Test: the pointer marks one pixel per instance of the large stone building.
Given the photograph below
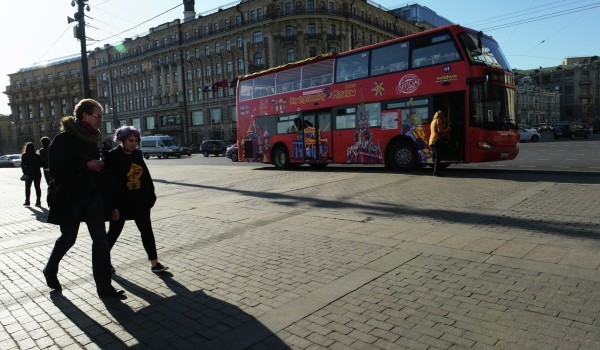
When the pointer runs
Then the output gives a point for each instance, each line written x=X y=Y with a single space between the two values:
x=534 y=104
x=578 y=82
x=40 y=96
x=179 y=79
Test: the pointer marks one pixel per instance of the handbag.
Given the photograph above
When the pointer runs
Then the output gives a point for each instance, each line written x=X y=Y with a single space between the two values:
x=24 y=177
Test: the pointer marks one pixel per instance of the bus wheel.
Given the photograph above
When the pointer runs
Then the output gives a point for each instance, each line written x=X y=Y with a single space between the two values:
x=402 y=156
x=146 y=155
x=281 y=158
x=165 y=155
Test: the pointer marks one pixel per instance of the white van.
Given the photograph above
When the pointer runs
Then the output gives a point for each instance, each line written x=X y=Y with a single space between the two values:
x=159 y=146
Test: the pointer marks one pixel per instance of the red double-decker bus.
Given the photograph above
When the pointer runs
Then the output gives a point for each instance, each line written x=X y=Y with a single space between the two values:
x=374 y=105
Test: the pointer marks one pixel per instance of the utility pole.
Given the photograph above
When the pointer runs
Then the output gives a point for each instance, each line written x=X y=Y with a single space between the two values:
x=80 y=34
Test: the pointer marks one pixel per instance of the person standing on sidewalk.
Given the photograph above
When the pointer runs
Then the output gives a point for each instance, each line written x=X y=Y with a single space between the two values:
x=438 y=140
x=77 y=171
x=31 y=163
x=133 y=192
x=45 y=141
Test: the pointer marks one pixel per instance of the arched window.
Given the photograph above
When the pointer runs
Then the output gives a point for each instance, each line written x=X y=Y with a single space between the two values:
x=258 y=59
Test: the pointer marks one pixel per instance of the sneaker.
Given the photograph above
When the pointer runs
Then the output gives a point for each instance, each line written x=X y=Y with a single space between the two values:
x=52 y=281
x=112 y=292
x=38 y=204
x=159 y=268
x=26 y=203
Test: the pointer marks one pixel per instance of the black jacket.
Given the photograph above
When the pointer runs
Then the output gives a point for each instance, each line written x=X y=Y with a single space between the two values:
x=68 y=155
x=31 y=164
x=132 y=187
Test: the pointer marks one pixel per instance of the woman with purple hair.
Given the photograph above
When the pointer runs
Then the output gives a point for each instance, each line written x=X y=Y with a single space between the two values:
x=133 y=192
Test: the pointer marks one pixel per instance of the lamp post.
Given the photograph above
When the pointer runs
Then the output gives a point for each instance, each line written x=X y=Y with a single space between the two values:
x=80 y=34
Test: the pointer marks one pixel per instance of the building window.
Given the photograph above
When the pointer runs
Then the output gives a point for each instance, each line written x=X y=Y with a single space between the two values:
x=190 y=95
x=289 y=31
x=189 y=74
x=229 y=66
x=258 y=59
x=288 y=8
x=240 y=65
x=217 y=47
x=206 y=50
x=150 y=123
x=197 y=53
x=290 y=55
x=310 y=6
x=215 y=115
x=218 y=69
x=227 y=24
x=207 y=71
x=239 y=42
x=228 y=45
x=257 y=37
x=198 y=72
x=197 y=118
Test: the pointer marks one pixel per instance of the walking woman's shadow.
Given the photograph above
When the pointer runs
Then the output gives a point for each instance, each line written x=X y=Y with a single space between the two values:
x=186 y=320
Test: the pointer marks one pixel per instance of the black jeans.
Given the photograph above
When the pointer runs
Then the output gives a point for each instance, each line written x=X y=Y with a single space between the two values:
x=437 y=157
x=91 y=211
x=144 y=225
x=36 y=184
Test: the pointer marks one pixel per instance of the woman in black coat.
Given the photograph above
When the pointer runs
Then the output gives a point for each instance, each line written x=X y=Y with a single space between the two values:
x=132 y=192
x=31 y=163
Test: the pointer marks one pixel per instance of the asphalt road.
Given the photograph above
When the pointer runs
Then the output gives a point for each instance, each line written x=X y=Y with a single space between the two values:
x=546 y=155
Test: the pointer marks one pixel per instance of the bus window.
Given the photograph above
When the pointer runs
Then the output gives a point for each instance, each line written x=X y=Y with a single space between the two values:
x=317 y=74
x=246 y=88
x=389 y=59
x=434 y=50
x=264 y=86
x=352 y=67
x=288 y=124
x=345 y=118
x=373 y=113
x=288 y=80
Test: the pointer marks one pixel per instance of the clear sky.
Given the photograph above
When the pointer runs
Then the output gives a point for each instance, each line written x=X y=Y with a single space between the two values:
x=532 y=33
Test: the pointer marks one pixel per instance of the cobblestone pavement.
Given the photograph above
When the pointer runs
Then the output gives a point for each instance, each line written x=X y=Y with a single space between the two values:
x=341 y=258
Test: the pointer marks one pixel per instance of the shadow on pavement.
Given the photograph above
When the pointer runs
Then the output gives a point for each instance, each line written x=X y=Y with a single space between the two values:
x=556 y=226
x=187 y=320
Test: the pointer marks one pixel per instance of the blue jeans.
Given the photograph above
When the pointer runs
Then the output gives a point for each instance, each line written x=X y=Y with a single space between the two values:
x=89 y=210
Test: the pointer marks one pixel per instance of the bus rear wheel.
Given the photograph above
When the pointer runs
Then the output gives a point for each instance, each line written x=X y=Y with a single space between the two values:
x=281 y=158
x=402 y=157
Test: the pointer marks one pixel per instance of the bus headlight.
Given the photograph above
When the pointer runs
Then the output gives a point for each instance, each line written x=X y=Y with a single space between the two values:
x=484 y=145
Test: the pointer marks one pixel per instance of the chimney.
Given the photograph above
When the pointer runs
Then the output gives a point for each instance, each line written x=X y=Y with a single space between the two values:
x=189 y=14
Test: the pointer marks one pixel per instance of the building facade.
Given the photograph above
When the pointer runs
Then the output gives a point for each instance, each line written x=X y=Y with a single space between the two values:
x=179 y=78
x=40 y=96
x=578 y=82
x=536 y=105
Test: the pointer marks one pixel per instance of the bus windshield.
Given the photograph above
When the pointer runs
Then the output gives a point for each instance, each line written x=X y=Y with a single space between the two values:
x=493 y=109
x=482 y=50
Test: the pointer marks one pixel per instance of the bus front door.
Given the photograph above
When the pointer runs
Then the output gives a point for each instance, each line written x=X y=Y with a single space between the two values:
x=317 y=136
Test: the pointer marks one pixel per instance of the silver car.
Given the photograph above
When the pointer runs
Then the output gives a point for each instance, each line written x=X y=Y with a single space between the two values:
x=10 y=161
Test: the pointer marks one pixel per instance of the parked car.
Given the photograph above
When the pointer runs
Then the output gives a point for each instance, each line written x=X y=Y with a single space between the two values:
x=232 y=152
x=195 y=148
x=186 y=151
x=543 y=127
x=571 y=130
x=216 y=147
x=161 y=146
x=529 y=135
x=6 y=162
x=14 y=159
